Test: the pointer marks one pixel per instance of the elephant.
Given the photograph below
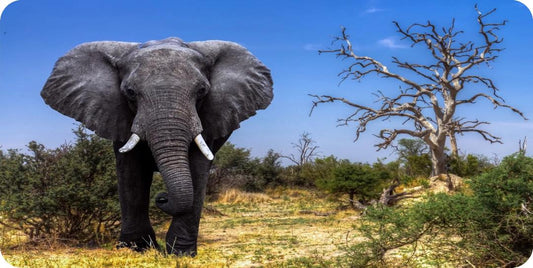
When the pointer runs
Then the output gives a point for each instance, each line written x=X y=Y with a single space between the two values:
x=168 y=106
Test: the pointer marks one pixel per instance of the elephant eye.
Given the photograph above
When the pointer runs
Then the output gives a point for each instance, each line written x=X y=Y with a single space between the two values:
x=130 y=93
x=202 y=92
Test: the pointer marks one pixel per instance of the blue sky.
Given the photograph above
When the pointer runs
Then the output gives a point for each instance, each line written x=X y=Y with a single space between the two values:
x=285 y=35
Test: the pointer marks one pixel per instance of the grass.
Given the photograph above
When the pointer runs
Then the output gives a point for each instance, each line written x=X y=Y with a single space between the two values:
x=282 y=228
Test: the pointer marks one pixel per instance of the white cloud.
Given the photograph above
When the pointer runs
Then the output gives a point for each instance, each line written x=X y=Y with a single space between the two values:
x=373 y=10
x=391 y=42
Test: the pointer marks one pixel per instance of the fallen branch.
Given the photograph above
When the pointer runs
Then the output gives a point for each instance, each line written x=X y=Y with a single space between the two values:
x=389 y=198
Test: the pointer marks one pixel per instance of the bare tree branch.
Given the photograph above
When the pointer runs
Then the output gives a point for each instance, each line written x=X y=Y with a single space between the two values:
x=306 y=149
x=427 y=105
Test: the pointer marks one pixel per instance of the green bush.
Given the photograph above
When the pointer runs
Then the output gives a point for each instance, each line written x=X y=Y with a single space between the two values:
x=413 y=154
x=506 y=194
x=265 y=172
x=233 y=167
x=491 y=226
x=69 y=193
x=418 y=165
x=230 y=166
x=469 y=165
x=308 y=174
x=361 y=181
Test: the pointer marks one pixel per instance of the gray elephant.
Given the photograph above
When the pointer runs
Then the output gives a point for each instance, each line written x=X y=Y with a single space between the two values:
x=167 y=105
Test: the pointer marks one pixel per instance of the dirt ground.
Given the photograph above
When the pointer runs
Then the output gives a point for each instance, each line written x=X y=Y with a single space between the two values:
x=283 y=228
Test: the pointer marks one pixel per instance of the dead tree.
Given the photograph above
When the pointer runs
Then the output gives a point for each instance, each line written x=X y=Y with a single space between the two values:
x=306 y=150
x=389 y=197
x=522 y=146
x=427 y=106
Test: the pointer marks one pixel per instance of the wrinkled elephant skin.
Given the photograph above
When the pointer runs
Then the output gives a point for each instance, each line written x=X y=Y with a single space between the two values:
x=167 y=106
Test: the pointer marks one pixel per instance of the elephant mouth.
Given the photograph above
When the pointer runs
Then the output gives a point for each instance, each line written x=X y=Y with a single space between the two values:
x=198 y=140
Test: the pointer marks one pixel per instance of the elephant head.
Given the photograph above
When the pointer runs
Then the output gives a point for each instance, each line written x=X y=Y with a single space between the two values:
x=167 y=93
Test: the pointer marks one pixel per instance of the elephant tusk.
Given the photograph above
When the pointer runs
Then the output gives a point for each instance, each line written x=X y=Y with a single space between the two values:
x=199 y=140
x=134 y=139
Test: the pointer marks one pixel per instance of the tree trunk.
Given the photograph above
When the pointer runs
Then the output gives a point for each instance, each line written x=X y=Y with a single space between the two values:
x=438 y=161
x=453 y=144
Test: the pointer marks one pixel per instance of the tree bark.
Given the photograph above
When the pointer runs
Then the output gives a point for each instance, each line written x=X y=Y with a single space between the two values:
x=438 y=161
x=428 y=103
x=453 y=145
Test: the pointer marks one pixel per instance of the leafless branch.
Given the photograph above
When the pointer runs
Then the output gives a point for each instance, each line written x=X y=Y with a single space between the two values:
x=428 y=103
x=306 y=149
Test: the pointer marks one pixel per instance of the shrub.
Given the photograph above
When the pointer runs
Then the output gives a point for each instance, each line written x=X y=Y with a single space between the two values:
x=234 y=168
x=491 y=226
x=418 y=165
x=506 y=194
x=469 y=165
x=69 y=193
x=230 y=167
x=264 y=172
x=306 y=175
x=355 y=179
x=414 y=156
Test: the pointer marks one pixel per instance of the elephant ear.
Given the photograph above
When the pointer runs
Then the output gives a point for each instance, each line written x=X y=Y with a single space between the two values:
x=240 y=85
x=85 y=85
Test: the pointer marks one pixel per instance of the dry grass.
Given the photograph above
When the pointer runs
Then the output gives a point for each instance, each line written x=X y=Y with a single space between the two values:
x=272 y=230
x=234 y=196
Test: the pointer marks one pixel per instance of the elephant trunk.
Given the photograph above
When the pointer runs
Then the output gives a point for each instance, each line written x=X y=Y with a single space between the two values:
x=169 y=141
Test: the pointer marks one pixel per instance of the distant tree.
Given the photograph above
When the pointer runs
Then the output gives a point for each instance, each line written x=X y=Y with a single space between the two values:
x=230 y=165
x=358 y=180
x=413 y=154
x=234 y=167
x=430 y=101
x=306 y=150
x=266 y=172
x=320 y=169
x=270 y=168
x=232 y=159
x=409 y=147
x=469 y=165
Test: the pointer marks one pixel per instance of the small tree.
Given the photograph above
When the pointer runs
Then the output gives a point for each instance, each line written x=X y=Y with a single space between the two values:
x=409 y=147
x=233 y=167
x=413 y=154
x=320 y=169
x=469 y=165
x=355 y=179
x=429 y=102
x=306 y=150
x=266 y=172
x=270 y=168
x=230 y=165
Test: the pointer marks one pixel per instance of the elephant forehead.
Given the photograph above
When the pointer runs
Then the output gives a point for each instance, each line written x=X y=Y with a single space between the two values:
x=163 y=58
x=167 y=52
x=163 y=66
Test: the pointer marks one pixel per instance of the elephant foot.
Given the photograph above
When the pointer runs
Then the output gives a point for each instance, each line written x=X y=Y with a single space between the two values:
x=182 y=250
x=180 y=247
x=140 y=244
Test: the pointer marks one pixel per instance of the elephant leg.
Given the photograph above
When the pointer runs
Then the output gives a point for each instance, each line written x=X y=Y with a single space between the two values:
x=135 y=170
x=182 y=234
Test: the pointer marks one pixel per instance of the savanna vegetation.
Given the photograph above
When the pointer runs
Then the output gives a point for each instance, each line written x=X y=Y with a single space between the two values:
x=59 y=207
